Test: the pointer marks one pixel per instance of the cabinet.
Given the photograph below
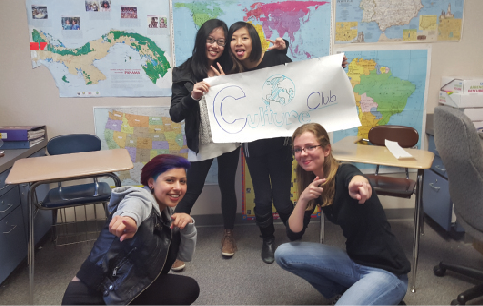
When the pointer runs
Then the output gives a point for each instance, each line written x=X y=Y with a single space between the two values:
x=437 y=202
x=14 y=213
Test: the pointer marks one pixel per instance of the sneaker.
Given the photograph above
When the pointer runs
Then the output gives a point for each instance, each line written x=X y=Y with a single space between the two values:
x=178 y=266
x=228 y=245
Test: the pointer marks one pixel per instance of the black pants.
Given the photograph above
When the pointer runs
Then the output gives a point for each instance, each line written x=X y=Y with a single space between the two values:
x=270 y=167
x=168 y=289
x=227 y=165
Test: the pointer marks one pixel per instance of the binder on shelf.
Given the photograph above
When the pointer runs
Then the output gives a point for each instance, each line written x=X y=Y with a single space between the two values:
x=21 y=133
x=26 y=144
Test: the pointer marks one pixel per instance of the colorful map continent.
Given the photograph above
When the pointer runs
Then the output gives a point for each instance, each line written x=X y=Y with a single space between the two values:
x=284 y=17
x=144 y=137
x=201 y=11
x=387 y=13
x=80 y=61
x=378 y=94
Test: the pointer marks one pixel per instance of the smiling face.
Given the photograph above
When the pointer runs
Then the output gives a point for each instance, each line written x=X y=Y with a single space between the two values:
x=241 y=44
x=169 y=187
x=214 y=51
x=313 y=160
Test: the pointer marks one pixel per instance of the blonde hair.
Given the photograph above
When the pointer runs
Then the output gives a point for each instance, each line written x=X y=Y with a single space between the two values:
x=330 y=166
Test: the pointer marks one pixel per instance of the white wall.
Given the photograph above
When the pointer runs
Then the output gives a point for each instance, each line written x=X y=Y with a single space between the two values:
x=29 y=96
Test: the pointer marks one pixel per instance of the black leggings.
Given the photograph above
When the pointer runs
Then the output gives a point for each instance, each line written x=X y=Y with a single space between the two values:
x=168 y=289
x=227 y=165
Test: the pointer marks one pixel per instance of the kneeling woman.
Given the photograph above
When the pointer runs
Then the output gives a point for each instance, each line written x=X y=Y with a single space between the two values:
x=130 y=261
x=373 y=268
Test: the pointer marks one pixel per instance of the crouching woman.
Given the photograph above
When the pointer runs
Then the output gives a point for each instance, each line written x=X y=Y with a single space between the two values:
x=130 y=261
x=372 y=270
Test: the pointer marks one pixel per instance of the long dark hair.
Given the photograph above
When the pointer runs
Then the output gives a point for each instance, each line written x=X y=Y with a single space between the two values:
x=198 y=60
x=257 y=50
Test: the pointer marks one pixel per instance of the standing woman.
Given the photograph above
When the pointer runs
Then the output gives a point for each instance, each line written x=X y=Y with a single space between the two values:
x=130 y=261
x=373 y=268
x=269 y=160
x=187 y=103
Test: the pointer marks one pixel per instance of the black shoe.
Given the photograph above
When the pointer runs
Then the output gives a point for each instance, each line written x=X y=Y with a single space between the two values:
x=267 y=250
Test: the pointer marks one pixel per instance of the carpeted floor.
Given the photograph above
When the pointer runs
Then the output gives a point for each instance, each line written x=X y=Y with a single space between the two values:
x=245 y=279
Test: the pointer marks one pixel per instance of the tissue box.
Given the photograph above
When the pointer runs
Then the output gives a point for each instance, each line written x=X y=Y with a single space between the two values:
x=462 y=85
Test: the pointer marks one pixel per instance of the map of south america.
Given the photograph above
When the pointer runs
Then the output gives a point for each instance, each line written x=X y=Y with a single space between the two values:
x=378 y=94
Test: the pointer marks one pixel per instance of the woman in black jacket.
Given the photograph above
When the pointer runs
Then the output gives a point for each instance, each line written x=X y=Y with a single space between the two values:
x=269 y=160
x=209 y=57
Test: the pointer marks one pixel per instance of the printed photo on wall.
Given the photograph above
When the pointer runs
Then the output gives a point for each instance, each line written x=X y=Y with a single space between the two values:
x=129 y=12
x=39 y=12
x=157 y=22
x=92 y=5
x=70 y=23
x=105 y=6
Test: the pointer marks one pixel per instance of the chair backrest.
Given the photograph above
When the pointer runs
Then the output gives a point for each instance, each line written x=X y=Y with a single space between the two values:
x=461 y=150
x=405 y=136
x=74 y=143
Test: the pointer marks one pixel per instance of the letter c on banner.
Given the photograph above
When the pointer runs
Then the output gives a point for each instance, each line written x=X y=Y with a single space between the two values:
x=229 y=94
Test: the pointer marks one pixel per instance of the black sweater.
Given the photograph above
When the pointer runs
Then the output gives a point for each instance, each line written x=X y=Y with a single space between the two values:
x=370 y=241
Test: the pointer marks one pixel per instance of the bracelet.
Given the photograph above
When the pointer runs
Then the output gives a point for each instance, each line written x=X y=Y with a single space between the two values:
x=194 y=98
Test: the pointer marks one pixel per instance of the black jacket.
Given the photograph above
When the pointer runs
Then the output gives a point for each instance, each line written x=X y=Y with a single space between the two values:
x=120 y=271
x=183 y=107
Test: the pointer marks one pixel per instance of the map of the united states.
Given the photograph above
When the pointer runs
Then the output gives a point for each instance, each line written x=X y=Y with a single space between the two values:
x=144 y=137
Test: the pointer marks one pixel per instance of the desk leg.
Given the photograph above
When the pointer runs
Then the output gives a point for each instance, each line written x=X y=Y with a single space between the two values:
x=31 y=244
x=417 y=225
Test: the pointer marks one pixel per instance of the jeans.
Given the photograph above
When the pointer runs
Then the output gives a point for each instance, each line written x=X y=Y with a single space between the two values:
x=331 y=271
x=196 y=176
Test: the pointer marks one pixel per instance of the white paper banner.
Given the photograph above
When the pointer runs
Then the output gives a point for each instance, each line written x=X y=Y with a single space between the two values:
x=273 y=102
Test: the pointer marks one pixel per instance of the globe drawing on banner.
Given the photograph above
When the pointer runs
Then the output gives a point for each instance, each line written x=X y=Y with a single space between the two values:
x=278 y=89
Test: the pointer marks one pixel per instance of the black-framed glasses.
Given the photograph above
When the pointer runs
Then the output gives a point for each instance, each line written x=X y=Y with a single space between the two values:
x=219 y=42
x=306 y=149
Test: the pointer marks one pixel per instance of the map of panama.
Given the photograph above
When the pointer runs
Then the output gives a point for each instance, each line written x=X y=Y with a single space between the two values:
x=92 y=53
x=305 y=24
x=80 y=61
x=144 y=132
x=359 y=21
x=389 y=89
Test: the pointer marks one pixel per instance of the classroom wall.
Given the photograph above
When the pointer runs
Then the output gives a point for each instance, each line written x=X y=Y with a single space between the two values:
x=30 y=97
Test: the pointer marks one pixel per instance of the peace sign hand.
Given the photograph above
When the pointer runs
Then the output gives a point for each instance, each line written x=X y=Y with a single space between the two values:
x=218 y=72
x=278 y=44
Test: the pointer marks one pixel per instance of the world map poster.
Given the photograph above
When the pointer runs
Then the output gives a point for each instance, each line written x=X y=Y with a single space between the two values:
x=304 y=24
x=103 y=48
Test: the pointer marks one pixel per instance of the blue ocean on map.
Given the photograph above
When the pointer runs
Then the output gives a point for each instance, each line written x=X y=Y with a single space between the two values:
x=407 y=65
x=307 y=28
x=351 y=11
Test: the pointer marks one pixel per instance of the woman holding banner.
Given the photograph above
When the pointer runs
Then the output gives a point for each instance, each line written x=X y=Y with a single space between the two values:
x=209 y=56
x=269 y=160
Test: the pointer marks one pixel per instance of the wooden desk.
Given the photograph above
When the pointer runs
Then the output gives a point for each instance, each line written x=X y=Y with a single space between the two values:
x=64 y=167
x=350 y=150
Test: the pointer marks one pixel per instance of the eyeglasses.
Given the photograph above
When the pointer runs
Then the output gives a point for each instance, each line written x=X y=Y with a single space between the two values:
x=306 y=149
x=220 y=42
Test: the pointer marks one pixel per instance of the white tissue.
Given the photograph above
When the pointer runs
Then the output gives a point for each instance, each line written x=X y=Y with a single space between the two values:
x=397 y=150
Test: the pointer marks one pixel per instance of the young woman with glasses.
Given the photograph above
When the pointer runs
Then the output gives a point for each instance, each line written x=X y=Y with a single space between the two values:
x=209 y=57
x=373 y=268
